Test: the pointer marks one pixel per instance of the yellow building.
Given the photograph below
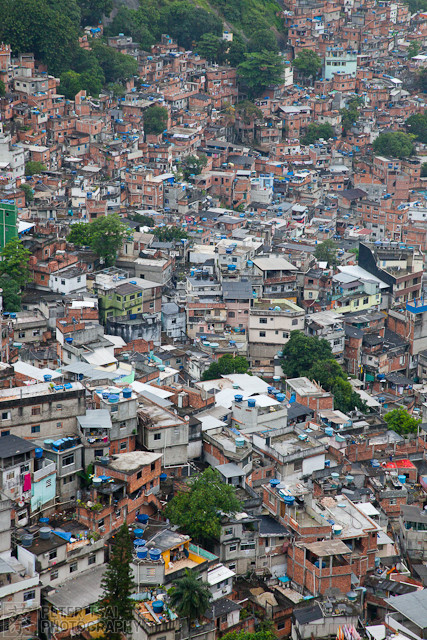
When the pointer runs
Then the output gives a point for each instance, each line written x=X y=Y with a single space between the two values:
x=72 y=606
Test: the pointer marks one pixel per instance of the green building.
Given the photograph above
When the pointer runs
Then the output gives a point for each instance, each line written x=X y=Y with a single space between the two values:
x=125 y=299
x=8 y=222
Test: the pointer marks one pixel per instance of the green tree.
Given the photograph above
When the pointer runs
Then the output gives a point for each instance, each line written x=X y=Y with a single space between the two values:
x=93 y=10
x=401 y=421
x=10 y=294
x=417 y=125
x=308 y=63
x=187 y=23
x=32 y=167
x=424 y=170
x=193 y=165
x=247 y=635
x=2 y=88
x=71 y=84
x=169 y=234
x=262 y=40
x=15 y=262
x=190 y=597
x=345 y=398
x=413 y=49
x=107 y=234
x=116 y=89
x=155 y=119
x=80 y=234
x=316 y=132
x=236 y=51
x=225 y=365
x=350 y=114
x=116 y=605
x=248 y=111
x=147 y=221
x=198 y=510
x=116 y=66
x=394 y=144
x=301 y=351
x=326 y=372
x=211 y=47
x=260 y=70
x=29 y=193
x=421 y=78
x=326 y=251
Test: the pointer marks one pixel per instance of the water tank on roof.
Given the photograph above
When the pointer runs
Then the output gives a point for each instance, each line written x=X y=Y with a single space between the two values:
x=38 y=453
x=69 y=339
x=238 y=398
x=402 y=479
x=113 y=398
x=274 y=482
x=157 y=606
x=329 y=431
x=142 y=553
x=139 y=533
x=337 y=529
x=251 y=402
x=47 y=377
x=155 y=554
x=240 y=442
x=27 y=539
x=143 y=518
x=163 y=477
x=44 y=521
x=45 y=533
x=127 y=393
x=280 y=397
x=139 y=543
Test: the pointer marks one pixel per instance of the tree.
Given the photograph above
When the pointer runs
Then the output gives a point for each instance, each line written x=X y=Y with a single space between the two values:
x=260 y=70
x=14 y=262
x=401 y=421
x=394 y=144
x=413 y=49
x=32 y=167
x=236 y=51
x=193 y=165
x=417 y=125
x=326 y=251
x=2 y=88
x=116 y=605
x=190 y=597
x=248 y=111
x=211 y=47
x=198 y=510
x=421 y=78
x=262 y=40
x=247 y=635
x=308 y=63
x=80 y=234
x=71 y=84
x=10 y=294
x=169 y=234
x=147 y=221
x=326 y=372
x=116 y=66
x=301 y=351
x=316 y=132
x=345 y=398
x=93 y=10
x=225 y=365
x=424 y=170
x=155 y=119
x=187 y=23
x=107 y=234
x=29 y=193
x=350 y=114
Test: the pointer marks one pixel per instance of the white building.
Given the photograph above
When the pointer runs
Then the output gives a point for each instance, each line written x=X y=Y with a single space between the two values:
x=67 y=281
x=220 y=580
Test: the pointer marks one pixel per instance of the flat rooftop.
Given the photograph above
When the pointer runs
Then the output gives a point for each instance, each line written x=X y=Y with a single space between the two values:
x=132 y=461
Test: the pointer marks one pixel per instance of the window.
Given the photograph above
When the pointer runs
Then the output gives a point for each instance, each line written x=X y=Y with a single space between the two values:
x=98 y=453
x=392 y=501
x=231 y=314
x=294 y=321
x=139 y=475
x=4 y=625
x=232 y=566
x=123 y=446
x=67 y=460
x=157 y=436
x=100 y=523
x=153 y=466
x=281 y=625
x=263 y=320
x=5 y=415
x=262 y=334
x=52 y=554
x=21 y=334
x=246 y=546
x=29 y=595
x=5 y=433
x=35 y=429
x=54 y=574
x=73 y=567
x=91 y=560
x=228 y=532
x=49 y=482
x=233 y=547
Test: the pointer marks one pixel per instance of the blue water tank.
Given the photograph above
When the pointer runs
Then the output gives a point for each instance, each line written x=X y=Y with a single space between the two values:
x=139 y=533
x=44 y=520
x=105 y=395
x=289 y=500
x=327 y=463
x=329 y=431
x=274 y=482
x=47 y=377
x=68 y=339
x=238 y=398
x=270 y=389
x=251 y=402
x=142 y=517
x=113 y=398
x=163 y=477
x=375 y=463
x=39 y=453
x=127 y=393
x=142 y=553
x=280 y=397
x=155 y=554
x=157 y=606
x=139 y=542
x=402 y=479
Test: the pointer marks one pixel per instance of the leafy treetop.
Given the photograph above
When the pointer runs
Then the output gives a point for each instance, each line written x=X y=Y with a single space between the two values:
x=260 y=70
x=15 y=262
x=401 y=421
x=417 y=125
x=308 y=62
x=395 y=144
x=33 y=167
x=155 y=119
x=326 y=251
x=316 y=132
x=190 y=597
x=198 y=510
x=104 y=235
x=226 y=364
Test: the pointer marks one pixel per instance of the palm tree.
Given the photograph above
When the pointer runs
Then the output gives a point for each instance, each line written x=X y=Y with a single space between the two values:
x=190 y=597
